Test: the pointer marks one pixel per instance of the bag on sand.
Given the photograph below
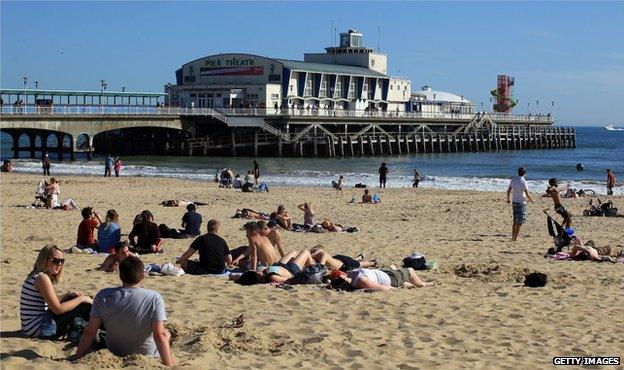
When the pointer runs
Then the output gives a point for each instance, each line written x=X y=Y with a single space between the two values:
x=535 y=280
x=416 y=261
x=312 y=274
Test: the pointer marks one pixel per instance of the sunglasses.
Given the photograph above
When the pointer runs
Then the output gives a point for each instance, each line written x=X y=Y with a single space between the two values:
x=57 y=261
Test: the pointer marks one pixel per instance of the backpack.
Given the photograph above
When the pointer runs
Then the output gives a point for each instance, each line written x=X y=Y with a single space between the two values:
x=418 y=263
x=312 y=274
x=535 y=280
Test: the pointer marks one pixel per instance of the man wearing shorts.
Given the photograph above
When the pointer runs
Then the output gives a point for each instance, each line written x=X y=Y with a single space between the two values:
x=553 y=192
x=518 y=187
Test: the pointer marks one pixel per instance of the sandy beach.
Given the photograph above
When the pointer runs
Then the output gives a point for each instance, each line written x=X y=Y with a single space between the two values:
x=477 y=315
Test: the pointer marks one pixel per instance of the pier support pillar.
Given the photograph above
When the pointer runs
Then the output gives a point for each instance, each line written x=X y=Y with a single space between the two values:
x=342 y=152
x=90 y=148
x=301 y=148
x=60 y=138
x=440 y=143
x=72 y=148
x=255 y=148
x=32 y=140
x=15 y=137
x=280 y=144
x=315 y=143
x=406 y=141
x=233 y=143
x=415 y=144
x=44 y=141
x=350 y=143
x=372 y=147
x=389 y=142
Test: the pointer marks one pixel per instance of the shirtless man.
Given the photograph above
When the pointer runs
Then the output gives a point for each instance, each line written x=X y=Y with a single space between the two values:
x=282 y=218
x=273 y=234
x=553 y=192
x=260 y=250
x=111 y=263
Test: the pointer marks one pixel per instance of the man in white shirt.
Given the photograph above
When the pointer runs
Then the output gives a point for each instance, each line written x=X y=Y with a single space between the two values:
x=519 y=188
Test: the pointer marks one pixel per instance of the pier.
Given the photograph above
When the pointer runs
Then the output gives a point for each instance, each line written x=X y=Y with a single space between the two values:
x=124 y=124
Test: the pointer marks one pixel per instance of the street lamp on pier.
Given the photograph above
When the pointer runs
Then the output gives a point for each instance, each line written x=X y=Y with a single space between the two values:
x=537 y=106
x=36 y=84
x=25 y=78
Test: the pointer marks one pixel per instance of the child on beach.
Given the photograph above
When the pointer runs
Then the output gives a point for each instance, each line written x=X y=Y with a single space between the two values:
x=118 y=166
x=121 y=251
x=90 y=221
x=338 y=184
x=366 y=197
x=553 y=192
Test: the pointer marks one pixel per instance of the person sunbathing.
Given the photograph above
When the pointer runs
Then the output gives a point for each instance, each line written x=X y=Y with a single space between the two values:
x=282 y=218
x=287 y=267
x=330 y=226
x=111 y=263
x=384 y=279
x=180 y=203
x=586 y=251
x=253 y=215
x=339 y=261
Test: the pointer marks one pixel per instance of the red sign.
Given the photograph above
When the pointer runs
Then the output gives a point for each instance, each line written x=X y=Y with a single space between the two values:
x=231 y=71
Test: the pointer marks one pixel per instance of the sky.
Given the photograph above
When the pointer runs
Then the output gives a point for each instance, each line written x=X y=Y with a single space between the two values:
x=569 y=53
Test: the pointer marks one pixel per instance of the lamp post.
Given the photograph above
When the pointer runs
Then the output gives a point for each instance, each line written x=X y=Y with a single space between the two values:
x=36 y=84
x=169 y=94
x=25 y=78
x=552 y=107
x=491 y=106
x=537 y=106
x=528 y=108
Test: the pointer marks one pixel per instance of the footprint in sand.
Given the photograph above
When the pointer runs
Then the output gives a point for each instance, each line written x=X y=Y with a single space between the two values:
x=35 y=238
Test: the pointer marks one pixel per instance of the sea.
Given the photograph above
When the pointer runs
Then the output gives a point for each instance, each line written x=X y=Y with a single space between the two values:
x=597 y=149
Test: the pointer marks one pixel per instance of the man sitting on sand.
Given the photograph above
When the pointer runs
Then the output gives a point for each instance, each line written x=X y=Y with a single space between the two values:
x=191 y=221
x=384 y=279
x=282 y=218
x=214 y=253
x=90 y=221
x=133 y=317
x=111 y=263
x=273 y=234
x=366 y=197
x=260 y=251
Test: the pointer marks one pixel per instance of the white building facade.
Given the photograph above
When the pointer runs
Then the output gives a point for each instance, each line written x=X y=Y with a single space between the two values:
x=346 y=77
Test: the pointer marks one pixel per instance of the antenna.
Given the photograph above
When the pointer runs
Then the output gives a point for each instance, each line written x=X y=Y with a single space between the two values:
x=378 y=38
x=331 y=32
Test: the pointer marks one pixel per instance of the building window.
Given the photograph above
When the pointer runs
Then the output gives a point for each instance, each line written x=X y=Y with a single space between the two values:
x=372 y=62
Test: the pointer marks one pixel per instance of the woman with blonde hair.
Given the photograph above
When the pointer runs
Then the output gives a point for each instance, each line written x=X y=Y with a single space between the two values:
x=109 y=232
x=44 y=314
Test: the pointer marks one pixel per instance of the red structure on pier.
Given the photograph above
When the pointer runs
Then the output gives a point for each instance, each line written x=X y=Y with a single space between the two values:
x=504 y=101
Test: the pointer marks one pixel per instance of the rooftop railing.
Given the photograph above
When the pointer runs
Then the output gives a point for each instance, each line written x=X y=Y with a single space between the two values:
x=222 y=113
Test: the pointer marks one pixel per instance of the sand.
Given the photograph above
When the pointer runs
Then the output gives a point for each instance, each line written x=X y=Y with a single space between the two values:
x=477 y=315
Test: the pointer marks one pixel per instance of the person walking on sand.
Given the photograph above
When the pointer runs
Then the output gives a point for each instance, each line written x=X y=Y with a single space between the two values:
x=383 y=173
x=45 y=164
x=108 y=166
x=518 y=187
x=133 y=317
x=417 y=179
x=610 y=182
x=118 y=166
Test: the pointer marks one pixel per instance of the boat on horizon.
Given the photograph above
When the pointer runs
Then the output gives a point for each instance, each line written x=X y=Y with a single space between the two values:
x=612 y=128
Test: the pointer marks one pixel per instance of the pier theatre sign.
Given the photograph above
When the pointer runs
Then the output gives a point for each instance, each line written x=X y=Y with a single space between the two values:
x=231 y=67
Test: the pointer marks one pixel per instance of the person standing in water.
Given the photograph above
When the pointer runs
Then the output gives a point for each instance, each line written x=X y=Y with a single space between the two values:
x=45 y=164
x=383 y=173
x=256 y=170
x=610 y=182
x=108 y=165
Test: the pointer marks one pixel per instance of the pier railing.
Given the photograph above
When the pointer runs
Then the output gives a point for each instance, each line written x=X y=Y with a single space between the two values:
x=222 y=113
